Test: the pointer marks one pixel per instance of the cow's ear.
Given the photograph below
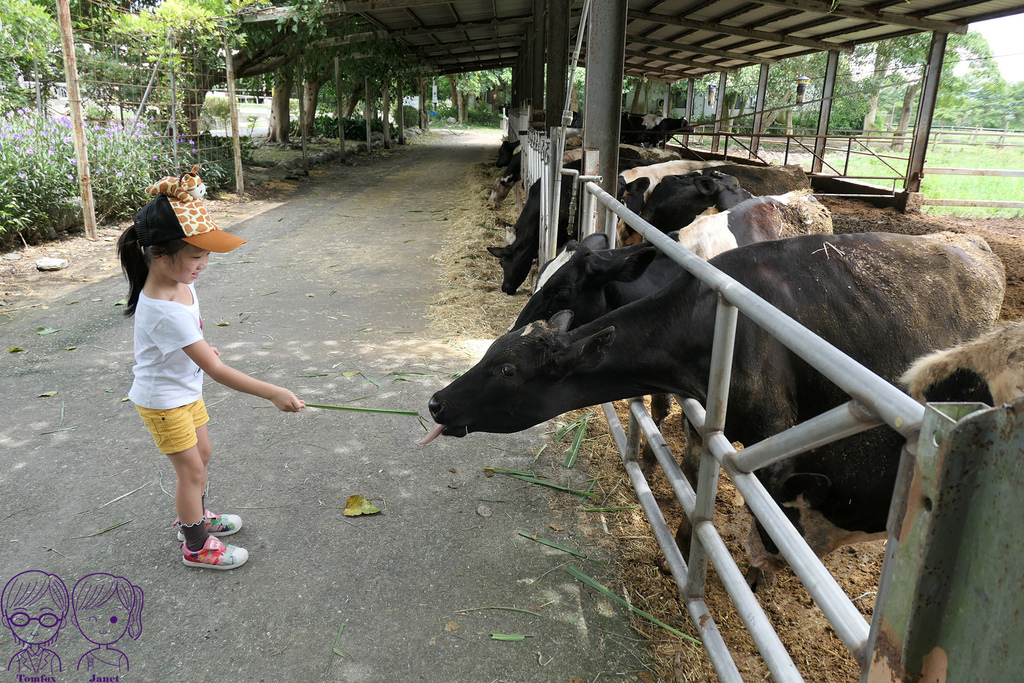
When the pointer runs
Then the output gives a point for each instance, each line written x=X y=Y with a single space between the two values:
x=705 y=185
x=621 y=267
x=561 y=321
x=592 y=349
x=595 y=241
x=638 y=186
x=805 y=490
x=498 y=251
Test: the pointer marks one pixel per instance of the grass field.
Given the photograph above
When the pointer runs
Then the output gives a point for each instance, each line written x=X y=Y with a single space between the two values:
x=957 y=186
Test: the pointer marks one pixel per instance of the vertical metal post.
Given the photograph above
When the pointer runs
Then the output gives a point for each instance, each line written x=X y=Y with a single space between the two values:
x=301 y=78
x=762 y=90
x=340 y=110
x=925 y=111
x=825 y=113
x=236 y=144
x=588 y=217
x=558 y=61
x=719 y=111
x=668 y=99
x=689 y=106
x=67 y=44
x=366 y=113
x=400 y=113
x=707 y=478
x=606 y=47
x=538 y=61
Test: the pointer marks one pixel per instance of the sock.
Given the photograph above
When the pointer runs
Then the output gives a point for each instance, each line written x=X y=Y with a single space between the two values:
x=195 y=535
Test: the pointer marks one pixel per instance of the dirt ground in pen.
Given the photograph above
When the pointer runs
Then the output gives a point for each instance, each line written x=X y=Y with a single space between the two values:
x=470 y=310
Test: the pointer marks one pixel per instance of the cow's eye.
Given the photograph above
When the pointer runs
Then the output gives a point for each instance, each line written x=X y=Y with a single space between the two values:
x=564 y=294
x=508 y=370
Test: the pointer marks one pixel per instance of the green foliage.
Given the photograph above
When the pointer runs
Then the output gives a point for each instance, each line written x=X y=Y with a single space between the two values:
x=29 y=47
x=40 y=192
x=216 y=110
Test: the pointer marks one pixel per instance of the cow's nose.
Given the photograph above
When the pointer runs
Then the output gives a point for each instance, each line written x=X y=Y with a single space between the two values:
x=435 y=406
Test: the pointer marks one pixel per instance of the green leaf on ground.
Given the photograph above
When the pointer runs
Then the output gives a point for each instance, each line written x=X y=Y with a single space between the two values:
x=357 y=505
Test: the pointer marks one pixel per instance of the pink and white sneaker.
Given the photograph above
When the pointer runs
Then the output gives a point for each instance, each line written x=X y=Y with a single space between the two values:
x=216 y=525
x=215 y=554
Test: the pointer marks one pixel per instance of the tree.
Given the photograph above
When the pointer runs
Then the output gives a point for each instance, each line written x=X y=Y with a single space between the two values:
x=29 y=48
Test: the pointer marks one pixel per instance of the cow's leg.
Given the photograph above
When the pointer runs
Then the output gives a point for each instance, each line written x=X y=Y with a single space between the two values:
x=661 y=406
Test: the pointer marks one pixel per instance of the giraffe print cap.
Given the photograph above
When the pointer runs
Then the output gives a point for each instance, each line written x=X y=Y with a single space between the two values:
x=185 y=195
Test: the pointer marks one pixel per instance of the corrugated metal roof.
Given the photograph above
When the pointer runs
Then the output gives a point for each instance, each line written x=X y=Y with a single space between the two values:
x=666 y=39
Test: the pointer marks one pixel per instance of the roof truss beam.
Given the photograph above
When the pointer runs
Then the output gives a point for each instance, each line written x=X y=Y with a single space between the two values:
x=768 y=36
x=842 y=10
x=725 y=54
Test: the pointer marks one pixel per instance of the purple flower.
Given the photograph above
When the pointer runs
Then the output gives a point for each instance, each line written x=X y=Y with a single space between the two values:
x=22 y=176
x=70 y=177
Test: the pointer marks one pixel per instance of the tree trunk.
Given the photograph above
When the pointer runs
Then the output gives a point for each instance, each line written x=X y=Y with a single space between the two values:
x=455 y=93
x=872 y=113
x=789 y=122
x=463 y=99
x=424 y=113
x=901 y=130
x=311 y=97
x=636 y=99
x=280 y=115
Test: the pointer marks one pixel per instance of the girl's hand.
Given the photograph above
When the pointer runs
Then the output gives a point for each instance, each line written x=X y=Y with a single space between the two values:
x=286 y=401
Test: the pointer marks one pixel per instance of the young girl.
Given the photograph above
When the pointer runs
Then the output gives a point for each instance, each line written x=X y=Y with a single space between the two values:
x=162 y=255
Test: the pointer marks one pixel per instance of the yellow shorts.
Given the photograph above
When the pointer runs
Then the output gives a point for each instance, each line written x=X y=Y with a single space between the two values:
x=174 y=429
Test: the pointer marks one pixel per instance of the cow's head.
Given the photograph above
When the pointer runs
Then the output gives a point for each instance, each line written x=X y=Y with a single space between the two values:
x=578 y=285
x=502 y=186
x=505 y=153
x=515 y=263
x=522 y=380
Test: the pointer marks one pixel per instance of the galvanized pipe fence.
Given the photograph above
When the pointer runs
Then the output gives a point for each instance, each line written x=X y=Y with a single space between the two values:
x=874 y=402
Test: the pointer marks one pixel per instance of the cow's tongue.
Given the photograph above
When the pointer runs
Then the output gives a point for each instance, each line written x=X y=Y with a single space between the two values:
x=434 y=433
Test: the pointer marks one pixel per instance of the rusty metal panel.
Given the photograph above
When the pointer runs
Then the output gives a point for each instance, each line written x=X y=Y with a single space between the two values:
x=949 y=606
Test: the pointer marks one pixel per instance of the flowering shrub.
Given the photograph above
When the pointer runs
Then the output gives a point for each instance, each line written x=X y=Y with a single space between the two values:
x=39 y=186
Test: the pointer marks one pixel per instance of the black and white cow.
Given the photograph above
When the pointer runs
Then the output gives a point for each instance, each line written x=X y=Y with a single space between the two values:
x=650 y=129
x=517 y=257
x=883 y=299
x=989 y=369
x=592 y=280
x=675 y=199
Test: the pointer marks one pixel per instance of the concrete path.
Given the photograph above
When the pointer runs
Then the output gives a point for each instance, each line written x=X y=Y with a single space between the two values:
x=328 y=298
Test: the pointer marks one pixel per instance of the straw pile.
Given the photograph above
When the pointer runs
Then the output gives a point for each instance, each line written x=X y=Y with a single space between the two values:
x=472 y=307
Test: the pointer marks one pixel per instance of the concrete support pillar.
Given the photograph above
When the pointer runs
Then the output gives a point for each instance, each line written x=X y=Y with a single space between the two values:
x=557 y=60
x=925 y=112
x=825 y=114
x=606 y=46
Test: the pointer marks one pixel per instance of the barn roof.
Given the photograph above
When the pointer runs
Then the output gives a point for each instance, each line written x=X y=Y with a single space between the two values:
x=665 y=40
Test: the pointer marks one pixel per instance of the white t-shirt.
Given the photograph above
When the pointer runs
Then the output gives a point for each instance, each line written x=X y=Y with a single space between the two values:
x=165 y=377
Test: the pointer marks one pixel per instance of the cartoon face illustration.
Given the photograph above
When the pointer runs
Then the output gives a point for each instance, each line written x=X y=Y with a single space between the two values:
x=104 y=625
x=34 y=605
x=106 y=607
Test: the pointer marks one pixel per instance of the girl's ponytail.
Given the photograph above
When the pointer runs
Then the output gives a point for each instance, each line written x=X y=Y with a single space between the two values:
x=134 y=264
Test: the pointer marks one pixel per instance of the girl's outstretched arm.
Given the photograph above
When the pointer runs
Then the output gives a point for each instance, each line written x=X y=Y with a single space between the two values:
x=206 y=357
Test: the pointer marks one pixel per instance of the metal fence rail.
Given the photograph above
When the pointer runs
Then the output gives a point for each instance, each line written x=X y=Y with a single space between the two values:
x=875 y=402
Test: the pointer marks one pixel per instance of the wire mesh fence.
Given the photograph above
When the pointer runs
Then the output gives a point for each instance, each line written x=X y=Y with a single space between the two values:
x=143 y=81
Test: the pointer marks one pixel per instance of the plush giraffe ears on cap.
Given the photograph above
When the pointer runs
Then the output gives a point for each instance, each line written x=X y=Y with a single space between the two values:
x=195 y=225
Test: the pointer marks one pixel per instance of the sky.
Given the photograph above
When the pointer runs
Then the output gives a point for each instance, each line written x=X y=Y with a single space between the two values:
x=1006 y=38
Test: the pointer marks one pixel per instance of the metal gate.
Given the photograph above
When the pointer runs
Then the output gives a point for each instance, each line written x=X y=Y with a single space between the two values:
x=877 y=402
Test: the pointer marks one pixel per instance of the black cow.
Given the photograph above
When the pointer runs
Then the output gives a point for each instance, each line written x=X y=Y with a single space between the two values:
x=678 y=200
x=505 y=152
x=650 y=129
x=504 y=183
x=517 y=258
x=883 y=299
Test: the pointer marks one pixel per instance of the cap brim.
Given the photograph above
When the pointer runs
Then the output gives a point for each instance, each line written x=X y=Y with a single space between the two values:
x=215 y=240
